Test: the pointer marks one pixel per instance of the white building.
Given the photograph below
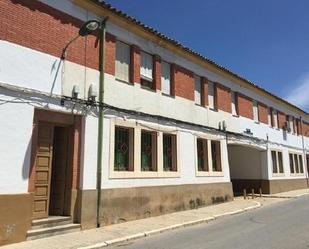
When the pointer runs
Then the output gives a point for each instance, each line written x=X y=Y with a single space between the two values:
x=179 y=131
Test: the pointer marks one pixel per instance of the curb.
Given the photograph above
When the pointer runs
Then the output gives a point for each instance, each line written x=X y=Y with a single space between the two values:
x=285 y=197
x=168 y=228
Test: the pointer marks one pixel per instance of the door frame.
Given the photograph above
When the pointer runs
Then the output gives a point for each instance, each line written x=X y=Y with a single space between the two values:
x=58 y=119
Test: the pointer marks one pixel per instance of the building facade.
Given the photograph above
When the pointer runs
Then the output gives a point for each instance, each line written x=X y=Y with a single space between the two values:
x=179 y=131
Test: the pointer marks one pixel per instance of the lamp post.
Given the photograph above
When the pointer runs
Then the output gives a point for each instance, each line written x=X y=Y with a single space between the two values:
x=88 y=28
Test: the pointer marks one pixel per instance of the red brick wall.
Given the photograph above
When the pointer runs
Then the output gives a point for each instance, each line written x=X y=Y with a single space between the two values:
x=263 y=113
x=157 y=72
x=110 y=54
x=135 y=74
x=40 y=27
x=184 y=83
x=281 y=119
x=223 y=98
x=244 y=106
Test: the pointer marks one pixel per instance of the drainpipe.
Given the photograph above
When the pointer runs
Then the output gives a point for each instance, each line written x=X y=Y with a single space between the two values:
x=101 y=117
x=304 y=150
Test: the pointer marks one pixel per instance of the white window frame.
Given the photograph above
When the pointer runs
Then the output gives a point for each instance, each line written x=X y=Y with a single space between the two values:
x=166 y=78
x=137 y=172
x=277 y=160
x=210 y=172
x=291 y=123
x=120 y=68
x=298 y=161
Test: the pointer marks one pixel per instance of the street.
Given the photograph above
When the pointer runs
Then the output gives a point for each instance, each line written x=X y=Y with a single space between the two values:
x=281 y=225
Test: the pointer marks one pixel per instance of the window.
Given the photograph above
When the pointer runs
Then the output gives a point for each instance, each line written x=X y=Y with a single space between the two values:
x=291 y=121
x=211 y=95
x=197 y=90
x=202 y=155
x=255 y=111
x=296 y=163
x=291 y=163
x=166 y=78
x=169 y=152
x=301 y=166
x=146 y=70
x=233 y=99
x=274 y=161
x=216 y=156
x=277 y=162
x=275 y=119
x=269 y=116
x=123 y=151
x=122 y=67
x=148 y=150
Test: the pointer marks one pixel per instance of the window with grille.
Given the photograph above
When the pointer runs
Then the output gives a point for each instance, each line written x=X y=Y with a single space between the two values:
x=216 y=156
x=169 y=152
x=202 y=155
x=122 y=62
x=123 y=150
x=148 y=151
x=146 y=70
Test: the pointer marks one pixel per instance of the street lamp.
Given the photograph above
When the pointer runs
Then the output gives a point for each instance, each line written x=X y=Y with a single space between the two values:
x=86 y=29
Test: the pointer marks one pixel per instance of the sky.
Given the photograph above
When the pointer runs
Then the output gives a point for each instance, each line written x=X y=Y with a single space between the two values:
x=265 y=41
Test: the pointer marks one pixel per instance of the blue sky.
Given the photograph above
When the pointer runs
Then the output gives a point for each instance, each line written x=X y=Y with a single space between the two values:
x=265 y=41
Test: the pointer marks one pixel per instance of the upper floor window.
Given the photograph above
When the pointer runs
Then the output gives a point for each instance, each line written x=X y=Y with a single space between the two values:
x=255 y=111
x=291 y=123
x=166 y=78
x=122 y=67
x=211 y=95
x=277 y=161
x=275 y=119
x=233 y=103
x=146 y=70
x=197 y=90
x=269 y=116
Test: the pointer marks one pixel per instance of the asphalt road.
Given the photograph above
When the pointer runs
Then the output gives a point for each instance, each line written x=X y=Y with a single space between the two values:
x=283 y=225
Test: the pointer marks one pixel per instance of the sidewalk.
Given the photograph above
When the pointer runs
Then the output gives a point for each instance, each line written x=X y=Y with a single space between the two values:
x=290 y=194
x=104 y=236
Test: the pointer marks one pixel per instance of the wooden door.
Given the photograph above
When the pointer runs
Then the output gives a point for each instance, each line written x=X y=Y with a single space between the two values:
x=43 y=164
x=59 y=184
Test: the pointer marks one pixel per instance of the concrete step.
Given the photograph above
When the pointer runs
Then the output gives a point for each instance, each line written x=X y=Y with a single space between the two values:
x=51 y=231
x=51 y=221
